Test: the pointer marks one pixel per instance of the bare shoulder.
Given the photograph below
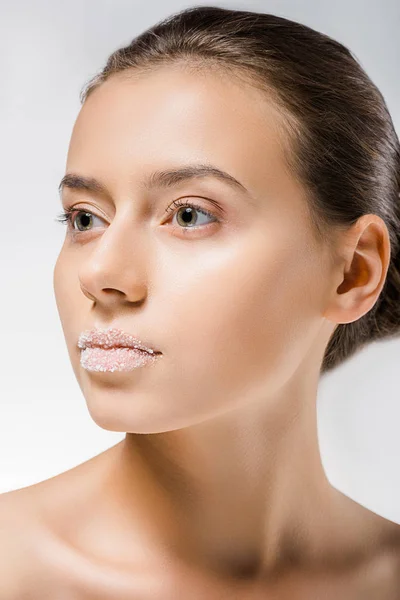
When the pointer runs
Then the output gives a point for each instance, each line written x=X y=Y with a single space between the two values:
x=17 y=545
x=28 y=545
x=35 y=560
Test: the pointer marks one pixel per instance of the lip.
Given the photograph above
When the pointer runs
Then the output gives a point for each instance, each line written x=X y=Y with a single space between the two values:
x=113 y=337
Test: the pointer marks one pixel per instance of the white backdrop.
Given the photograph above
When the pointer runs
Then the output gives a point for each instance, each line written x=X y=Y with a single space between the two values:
x=48 y=50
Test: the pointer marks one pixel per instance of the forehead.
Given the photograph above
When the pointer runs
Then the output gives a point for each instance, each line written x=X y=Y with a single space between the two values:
x=136 y=122
x=172 y=99
x=171 y=111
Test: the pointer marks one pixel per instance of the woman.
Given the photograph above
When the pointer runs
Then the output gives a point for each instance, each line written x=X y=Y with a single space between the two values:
x=233 y=232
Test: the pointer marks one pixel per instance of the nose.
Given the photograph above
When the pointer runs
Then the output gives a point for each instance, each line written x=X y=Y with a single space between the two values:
x=114 y=269
x=86 y=293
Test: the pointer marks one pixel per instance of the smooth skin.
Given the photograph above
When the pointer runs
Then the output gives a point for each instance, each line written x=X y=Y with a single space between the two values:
x=218 y=484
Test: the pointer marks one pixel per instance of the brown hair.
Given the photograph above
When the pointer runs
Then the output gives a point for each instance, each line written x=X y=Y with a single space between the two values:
x=342 y=145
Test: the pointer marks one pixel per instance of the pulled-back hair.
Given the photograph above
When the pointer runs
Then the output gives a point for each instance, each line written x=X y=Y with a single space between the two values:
x=340 y=144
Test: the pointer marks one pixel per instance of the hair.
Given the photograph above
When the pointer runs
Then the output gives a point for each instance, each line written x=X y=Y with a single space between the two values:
x=340 y=141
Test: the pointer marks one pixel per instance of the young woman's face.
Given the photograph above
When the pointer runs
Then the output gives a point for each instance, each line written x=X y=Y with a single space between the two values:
x=232 y=297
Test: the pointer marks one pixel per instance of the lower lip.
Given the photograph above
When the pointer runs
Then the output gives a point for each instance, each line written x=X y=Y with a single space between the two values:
x=115 y=359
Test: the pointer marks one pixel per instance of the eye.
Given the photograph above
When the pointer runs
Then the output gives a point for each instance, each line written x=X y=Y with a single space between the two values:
x=188 y=218
x=80 y=215
x=84 y=218
x=188 y=215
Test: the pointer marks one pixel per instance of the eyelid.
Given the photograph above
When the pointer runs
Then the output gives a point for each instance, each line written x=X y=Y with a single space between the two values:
x=73 y=209
x=171 y=208
x=69 y=217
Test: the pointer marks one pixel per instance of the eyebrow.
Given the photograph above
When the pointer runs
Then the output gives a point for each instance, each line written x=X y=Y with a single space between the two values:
x=161 y=178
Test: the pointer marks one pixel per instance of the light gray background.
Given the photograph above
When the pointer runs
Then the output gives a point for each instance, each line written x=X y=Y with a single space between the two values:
x=48 y=50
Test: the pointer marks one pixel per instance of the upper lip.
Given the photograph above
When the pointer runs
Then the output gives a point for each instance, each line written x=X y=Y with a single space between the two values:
x=112 y=338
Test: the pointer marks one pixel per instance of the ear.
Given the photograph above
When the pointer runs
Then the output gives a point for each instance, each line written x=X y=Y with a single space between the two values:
x=365 y=253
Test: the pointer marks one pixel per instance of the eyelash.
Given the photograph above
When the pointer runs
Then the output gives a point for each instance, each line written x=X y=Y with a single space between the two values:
x=66 y=216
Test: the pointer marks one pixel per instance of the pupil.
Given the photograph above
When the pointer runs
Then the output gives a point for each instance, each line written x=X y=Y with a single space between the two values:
x=83 y=217
x=187 y=215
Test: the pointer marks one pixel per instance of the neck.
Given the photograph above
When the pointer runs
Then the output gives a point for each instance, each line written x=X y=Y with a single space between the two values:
x=245 y=493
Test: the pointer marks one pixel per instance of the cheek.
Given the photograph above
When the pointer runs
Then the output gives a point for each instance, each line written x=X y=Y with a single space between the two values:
x=59 y=284
x=62 y=287
x=70 y=300
x=68 y=295
x=249 y=323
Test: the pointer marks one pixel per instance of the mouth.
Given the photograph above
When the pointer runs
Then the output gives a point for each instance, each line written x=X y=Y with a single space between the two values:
x=113 y=338
x=110 y=358
x=118 y=346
